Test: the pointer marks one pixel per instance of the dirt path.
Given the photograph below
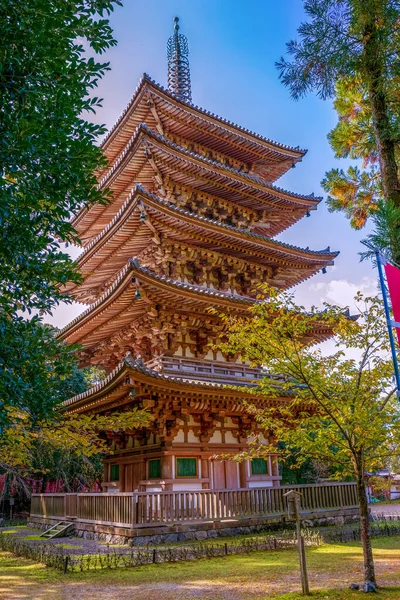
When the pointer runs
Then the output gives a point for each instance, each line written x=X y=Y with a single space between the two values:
x=387 y=510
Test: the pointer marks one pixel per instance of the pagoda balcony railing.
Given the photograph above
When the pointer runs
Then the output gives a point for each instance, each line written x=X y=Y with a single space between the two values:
x=207 y=370
x=141 y=509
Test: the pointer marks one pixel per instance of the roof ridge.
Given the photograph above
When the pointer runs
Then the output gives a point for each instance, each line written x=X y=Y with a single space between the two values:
x=137 y=364
x=252 y=178
x=134 y=263
x=139 y=189
x=146 y=78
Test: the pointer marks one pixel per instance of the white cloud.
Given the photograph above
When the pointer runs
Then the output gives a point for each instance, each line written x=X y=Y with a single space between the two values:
x=337 y=291
x=64 y=314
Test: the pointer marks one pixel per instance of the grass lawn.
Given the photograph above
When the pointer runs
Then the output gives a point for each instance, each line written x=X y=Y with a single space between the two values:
x=256 y=576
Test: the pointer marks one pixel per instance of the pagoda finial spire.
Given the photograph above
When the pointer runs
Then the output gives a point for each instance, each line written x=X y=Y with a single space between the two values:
x=178 y=65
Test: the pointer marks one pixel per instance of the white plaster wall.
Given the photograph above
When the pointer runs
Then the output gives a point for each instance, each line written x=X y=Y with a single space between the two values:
x=229 y=438
x=180 y=437
x=186 y=487
x=260 y=484
x=216 y=438
x=192 y=439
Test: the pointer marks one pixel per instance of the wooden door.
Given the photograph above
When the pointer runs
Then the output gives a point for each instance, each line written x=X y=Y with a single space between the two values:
x=231 y=475
x=128 y=478
x=219 y=475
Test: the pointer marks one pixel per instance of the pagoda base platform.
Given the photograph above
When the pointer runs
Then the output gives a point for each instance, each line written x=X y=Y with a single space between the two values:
x=185 y=532
x=144 y=517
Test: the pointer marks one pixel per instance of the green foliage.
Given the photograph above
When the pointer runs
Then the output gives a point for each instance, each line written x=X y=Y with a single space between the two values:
x=336 y=410
x=350 y=50
x=355 y=193
x=49 y=155
x=332 y=43
x=79 y=434
x=34 y=367
x=386 y=231
x=75 y=471
x=48 y=148
x=353 y=136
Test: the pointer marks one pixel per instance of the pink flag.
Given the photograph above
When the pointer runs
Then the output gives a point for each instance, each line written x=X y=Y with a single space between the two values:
x=393 y=281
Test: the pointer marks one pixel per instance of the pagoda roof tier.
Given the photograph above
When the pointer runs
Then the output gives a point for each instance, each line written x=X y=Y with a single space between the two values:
x=144 y=216
x=132 y=294
x=131 y=379
x=137 y=291
x=150 y=157
x=161 y=110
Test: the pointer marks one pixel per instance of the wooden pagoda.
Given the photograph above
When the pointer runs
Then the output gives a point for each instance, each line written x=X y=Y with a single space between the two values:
x=191 y=225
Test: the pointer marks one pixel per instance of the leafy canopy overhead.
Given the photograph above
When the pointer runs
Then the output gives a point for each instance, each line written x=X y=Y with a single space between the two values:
x=350 y=50
x=48 y=154
x=48 y=149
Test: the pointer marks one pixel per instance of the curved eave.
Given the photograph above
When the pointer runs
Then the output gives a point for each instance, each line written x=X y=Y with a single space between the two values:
x=116 y=243
x=193 y=170
x=130 y=373
x=118 y=307
x=218 y=133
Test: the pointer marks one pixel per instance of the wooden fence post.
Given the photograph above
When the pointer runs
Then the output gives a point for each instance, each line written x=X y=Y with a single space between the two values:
x=293 y=502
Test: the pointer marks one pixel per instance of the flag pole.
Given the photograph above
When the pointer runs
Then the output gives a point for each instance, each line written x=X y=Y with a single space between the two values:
x=389 y=321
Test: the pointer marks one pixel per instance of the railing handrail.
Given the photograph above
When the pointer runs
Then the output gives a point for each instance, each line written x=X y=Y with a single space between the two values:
x=143 y=509
x=207 y=491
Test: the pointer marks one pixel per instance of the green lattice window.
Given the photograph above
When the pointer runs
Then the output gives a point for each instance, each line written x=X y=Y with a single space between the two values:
x=155 y=469
x=259 y=466
x=186 y=467
x=114 y=476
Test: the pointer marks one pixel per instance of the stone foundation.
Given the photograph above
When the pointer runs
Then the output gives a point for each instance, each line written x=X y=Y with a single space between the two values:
x=183 y=532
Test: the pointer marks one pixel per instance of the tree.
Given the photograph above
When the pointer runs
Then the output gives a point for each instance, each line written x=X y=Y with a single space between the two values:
x=338 y=411
x=34 y=368
x=49 y=156
x=80 y=434
x=43 y=442
x=349 y=49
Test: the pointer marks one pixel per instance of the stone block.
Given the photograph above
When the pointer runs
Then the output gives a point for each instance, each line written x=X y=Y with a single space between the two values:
x=212 y=533
x=354 y=586
x=201 y=535
x=171 y=538
x=308 y=523
x=186 y=536
x=368 y=587
x=141 y=540
x=156 y=539
x=227 y=531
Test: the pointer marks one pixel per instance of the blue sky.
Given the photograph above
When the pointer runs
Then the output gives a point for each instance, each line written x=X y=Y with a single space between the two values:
x=233 y=47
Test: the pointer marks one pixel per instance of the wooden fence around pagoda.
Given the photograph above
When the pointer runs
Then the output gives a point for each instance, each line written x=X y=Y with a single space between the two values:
x=141 y=509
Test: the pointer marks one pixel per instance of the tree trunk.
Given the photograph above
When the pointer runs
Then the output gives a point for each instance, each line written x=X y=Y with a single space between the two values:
x=369 y=567
x=375 y=77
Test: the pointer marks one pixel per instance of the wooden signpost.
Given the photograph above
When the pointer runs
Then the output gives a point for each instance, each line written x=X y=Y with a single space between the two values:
x=294 y=508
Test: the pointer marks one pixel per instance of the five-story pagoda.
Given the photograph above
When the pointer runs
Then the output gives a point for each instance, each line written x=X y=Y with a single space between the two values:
x=191 y=225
